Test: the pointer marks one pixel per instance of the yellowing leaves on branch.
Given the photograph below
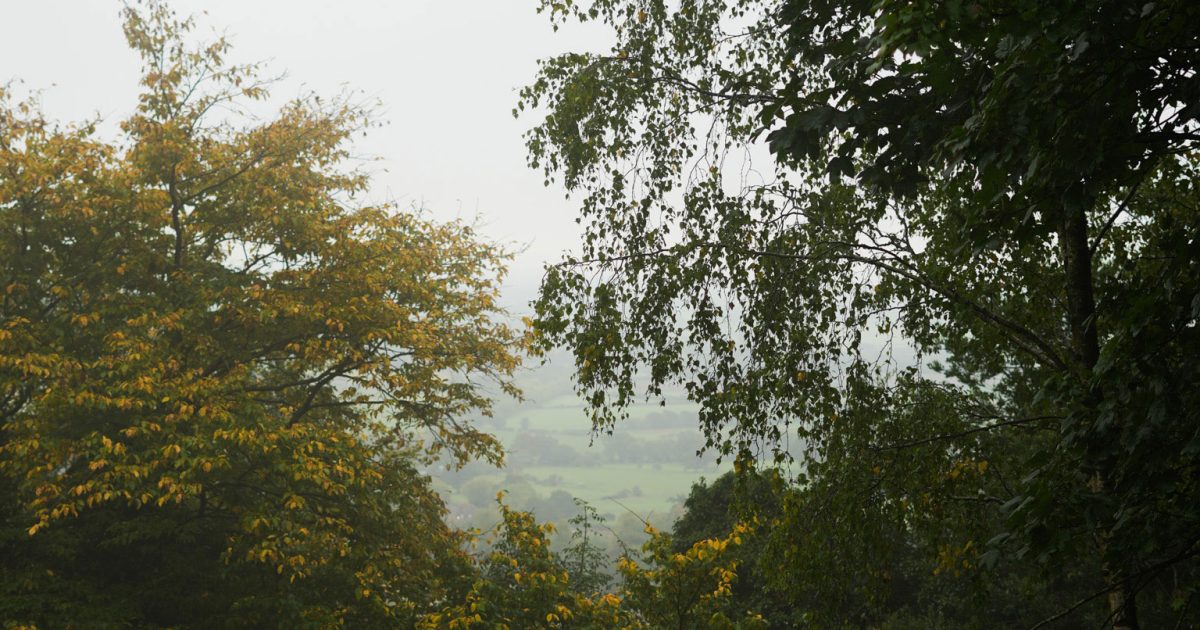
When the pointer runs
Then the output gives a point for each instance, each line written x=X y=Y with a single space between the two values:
x=220 y=367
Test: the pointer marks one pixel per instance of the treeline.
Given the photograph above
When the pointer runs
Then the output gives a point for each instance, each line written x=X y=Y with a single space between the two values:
x=222 y=370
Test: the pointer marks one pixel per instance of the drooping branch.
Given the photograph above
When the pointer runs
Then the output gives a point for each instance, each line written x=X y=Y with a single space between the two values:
x=961 y=434
x=1024 y=338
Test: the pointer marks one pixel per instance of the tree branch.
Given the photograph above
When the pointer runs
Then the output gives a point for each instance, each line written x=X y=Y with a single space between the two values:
x=961 y=434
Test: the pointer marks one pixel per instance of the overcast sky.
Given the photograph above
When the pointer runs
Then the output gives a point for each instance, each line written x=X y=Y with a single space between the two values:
x=446 y=72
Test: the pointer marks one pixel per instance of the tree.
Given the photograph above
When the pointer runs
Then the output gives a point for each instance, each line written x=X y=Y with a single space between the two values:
x=1008 y=189
x=586 y=560
x=520 y=583
x=220 y=369
x=867 y=563
x=714 y=510
x=688 y=589
x=891 y=529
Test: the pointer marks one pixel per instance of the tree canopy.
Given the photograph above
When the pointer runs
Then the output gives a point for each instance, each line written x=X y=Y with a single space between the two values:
x=930 y=270
x=221 y=366
x=1005 y=190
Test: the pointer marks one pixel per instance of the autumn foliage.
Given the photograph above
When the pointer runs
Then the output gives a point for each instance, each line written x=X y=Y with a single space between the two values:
x=522 y=583
x=220 y=366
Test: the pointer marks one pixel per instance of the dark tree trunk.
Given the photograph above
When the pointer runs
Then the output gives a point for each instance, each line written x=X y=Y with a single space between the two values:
x=1085 y=348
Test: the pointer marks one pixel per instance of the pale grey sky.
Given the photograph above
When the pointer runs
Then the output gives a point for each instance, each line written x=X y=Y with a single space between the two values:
x=445 y=71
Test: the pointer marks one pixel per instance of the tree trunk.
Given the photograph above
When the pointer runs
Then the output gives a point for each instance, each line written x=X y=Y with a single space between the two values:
x=1122 y=604
x=1085 y=346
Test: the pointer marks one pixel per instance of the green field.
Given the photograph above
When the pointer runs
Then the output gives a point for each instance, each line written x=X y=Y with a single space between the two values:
x=642 y=471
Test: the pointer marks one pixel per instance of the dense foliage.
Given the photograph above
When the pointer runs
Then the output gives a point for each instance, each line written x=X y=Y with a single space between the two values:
x=947 y=253
x=522 y=583
x=220 y=369
x=967 y=282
